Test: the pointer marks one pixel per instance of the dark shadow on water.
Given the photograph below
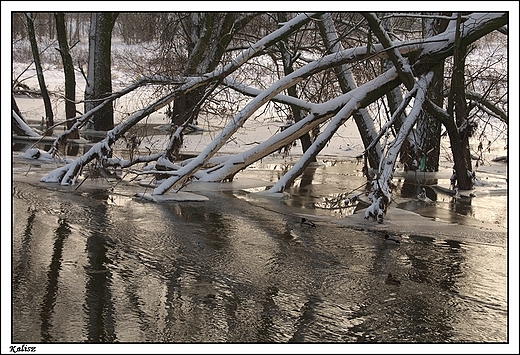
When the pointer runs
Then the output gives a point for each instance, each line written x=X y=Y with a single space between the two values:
x=25 y=251
x=49 y=301
x=98 y=302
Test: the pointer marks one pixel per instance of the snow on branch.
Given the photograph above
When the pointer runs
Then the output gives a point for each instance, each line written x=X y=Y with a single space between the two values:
x=240 y=118
x=345 y=56
x=380 y=194
x=230 y=166
x=21 y=127
x=476 y=25
x=403 y=68
x=419 y=15
x=358 y=95
x=397 y=113
x=267 y=41
x=432 y=53
x=280 y=98
x=102 y=148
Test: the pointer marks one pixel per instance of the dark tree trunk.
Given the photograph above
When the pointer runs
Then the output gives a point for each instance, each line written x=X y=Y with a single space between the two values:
x=287 y=60
x=429 y=127
x=458 y=109
x=99 y=81
x=187 y=107
x=49 y=115
x=68 y=69
x=213 y=32
x=464 y=181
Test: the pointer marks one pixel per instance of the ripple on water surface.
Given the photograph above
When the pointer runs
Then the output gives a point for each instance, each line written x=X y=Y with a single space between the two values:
x=104 y=266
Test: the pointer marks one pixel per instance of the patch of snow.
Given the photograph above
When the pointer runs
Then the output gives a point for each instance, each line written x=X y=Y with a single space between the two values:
x=40 y=155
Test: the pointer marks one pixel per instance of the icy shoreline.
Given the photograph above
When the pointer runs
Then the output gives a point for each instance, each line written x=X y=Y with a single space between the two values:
x=400 y=221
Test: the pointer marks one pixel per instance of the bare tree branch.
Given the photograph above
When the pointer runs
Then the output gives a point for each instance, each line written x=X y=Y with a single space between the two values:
x=500 y=114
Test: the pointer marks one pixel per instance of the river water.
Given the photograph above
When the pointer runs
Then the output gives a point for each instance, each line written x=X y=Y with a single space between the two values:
x=98 y=264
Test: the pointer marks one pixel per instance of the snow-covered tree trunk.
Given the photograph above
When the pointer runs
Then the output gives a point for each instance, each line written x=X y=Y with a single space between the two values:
x=320 y=113
x=18 y=124
x=183 y=174
x=69 y=174
x=240 y=118
x=428 y=54
x=20 y=127
x=358 y=96
x=381 y=191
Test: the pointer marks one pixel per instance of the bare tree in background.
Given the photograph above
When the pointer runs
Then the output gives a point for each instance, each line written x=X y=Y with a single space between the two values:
x=99 y=77
x=49 y=115
x=68 y=69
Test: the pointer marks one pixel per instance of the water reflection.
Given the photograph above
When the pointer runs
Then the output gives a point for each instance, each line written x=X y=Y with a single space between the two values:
x=47 y=310
x=442 y=207
x=411 y=189
x=307 y=177
x=461 y=206
x=228 y=270
x=98 y=303
x=25 y=250
x=342 y=204
x=453 y=265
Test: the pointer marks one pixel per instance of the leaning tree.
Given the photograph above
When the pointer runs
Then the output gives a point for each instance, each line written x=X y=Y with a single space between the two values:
x=406 y=64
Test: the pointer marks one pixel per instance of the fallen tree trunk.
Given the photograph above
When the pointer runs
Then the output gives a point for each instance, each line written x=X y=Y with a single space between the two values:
x=101 y=149
x=438 y=47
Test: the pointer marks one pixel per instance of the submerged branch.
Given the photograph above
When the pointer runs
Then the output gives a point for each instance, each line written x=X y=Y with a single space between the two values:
x=381 y=195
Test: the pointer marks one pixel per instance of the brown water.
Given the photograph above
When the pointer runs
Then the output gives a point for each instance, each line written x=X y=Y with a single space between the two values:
x=97 y=264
